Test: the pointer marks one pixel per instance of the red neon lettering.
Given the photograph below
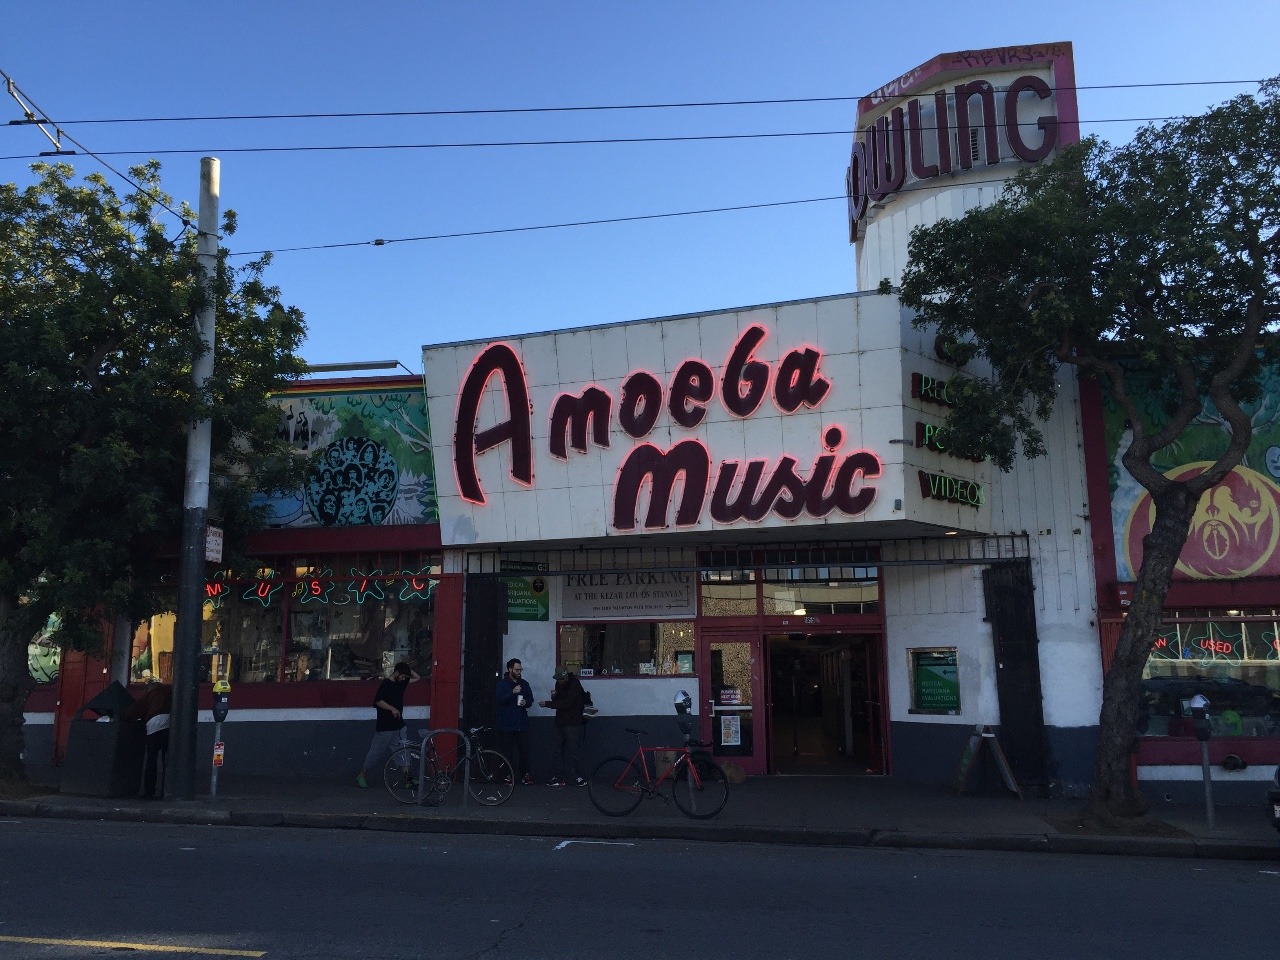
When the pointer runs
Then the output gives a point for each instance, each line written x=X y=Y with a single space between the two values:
x=799 y=382
x=314 y=587
x=497 y=359
x=417 y=584
x=571 y=416
x=740 y=370
x=264 y=589
x=1217 y=646
x=1048 y=123
x=694 y=382
x=742 y=491
x=641 y=404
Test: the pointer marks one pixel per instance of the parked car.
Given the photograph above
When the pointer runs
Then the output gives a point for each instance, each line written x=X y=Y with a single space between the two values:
x=1163 y=696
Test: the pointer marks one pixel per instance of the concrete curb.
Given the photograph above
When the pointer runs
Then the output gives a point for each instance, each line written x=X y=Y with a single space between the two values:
x=1009 y=843
x=623 y=829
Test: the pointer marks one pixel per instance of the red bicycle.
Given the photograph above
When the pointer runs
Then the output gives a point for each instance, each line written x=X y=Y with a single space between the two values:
x=698 y=785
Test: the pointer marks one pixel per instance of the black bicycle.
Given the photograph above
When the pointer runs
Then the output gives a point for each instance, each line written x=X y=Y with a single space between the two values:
x=424 y=772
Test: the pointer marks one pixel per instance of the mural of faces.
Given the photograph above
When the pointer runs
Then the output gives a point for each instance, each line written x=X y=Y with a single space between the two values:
x=353 y=483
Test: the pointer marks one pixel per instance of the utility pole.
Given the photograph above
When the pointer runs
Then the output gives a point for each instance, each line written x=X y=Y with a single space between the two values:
x=187 y=636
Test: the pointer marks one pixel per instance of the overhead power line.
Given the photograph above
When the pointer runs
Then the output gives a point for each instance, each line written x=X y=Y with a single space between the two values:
x=601 y=108
x=581 y=223
x=31 y=109
x=490 y=144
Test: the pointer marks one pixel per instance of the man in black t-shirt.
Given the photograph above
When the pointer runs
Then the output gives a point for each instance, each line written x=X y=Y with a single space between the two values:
x=389 y=702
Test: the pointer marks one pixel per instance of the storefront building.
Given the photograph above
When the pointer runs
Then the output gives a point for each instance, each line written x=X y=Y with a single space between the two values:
x=1221 y=637
x=345 y=581
x=755 y=506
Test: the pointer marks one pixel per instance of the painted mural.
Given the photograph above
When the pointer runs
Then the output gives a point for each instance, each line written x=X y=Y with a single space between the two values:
x=373 y=462
x=1236 y=529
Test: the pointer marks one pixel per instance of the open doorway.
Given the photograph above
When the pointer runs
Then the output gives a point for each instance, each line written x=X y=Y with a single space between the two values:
x=825 y=704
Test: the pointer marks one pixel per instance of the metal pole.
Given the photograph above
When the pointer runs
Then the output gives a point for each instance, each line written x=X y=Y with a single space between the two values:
x=213 y=775
x=1208 y=782
x=186 y=647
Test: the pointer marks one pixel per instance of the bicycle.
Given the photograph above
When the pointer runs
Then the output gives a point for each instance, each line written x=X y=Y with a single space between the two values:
x=699 y=786
x=422 y=773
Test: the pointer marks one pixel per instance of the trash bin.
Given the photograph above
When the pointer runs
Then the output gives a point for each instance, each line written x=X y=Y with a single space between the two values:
x=105 y=756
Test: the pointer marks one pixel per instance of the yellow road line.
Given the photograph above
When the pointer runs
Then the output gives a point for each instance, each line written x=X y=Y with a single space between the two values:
x=117 y=945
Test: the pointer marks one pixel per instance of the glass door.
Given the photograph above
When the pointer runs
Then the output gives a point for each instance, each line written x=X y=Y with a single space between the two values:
x=733 y=692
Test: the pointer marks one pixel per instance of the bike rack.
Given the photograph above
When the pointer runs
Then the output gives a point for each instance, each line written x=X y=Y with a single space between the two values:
x=466 y=767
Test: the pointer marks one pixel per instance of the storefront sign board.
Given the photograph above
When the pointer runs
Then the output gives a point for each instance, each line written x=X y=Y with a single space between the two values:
x=642 y=594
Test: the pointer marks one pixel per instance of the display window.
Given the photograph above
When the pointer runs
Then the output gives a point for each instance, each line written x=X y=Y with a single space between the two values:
x=628 y=648
x=790 y=591
x=728 y=593
x=1231 y=658
x=304 y=621
x=820 y=591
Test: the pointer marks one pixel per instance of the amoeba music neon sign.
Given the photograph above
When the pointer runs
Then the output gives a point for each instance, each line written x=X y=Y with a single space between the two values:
x=685 y=480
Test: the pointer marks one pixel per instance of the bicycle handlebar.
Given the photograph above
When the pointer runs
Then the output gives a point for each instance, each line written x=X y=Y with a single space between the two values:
x=688 y=741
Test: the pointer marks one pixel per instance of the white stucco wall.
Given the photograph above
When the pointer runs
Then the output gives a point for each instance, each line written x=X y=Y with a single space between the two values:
x=534 y=643
x=869 y=351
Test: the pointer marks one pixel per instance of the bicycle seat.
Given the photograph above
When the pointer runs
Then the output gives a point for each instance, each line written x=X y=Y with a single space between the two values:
x=638 y=733
x=474 y=730
x=696 y=743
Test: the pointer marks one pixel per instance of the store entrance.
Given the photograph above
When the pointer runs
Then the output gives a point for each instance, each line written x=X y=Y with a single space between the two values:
x=825 y=704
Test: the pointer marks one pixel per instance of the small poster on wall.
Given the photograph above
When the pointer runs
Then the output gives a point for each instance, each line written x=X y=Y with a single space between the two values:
x=730 y=730
x=935 y=680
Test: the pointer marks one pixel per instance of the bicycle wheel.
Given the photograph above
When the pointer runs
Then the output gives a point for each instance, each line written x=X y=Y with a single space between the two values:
x=616 y=787
x=439 y=778
x=400 y=774
x=492 y=778
x=703 y=796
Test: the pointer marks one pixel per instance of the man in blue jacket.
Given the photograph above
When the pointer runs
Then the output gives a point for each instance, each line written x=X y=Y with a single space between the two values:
x=514 y=700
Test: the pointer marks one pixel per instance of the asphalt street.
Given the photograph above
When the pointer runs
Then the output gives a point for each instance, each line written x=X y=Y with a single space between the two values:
x=103 y=889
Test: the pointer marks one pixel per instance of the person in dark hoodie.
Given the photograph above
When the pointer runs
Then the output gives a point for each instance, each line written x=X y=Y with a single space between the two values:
x=567 y=700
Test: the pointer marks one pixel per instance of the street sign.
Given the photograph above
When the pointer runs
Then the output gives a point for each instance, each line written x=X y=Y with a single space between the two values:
x=213 y=544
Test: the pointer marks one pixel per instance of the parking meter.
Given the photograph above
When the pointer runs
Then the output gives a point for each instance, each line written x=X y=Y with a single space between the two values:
x=1198 y=707
x=1200 y=722
x=682 y=704
x=221 y=698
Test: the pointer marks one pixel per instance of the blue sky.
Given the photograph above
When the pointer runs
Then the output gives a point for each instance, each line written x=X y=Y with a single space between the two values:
x=81 y=60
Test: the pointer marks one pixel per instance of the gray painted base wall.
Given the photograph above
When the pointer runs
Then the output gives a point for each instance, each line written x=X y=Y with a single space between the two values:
x=930 y=753
x=922 y=753
x=334 y=749
x=37 y=749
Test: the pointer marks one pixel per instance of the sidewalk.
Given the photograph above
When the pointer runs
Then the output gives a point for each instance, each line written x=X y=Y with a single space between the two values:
x=818 y=811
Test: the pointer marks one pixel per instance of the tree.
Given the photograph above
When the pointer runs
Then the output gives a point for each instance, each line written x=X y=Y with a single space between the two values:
x=1151 y=267
x=97 y=341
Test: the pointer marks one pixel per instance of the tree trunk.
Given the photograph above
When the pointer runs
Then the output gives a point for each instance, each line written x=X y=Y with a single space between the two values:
x=15 y=684
x=1114 y=791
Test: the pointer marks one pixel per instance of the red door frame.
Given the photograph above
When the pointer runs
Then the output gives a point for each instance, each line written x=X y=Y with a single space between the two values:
x=757 y=763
